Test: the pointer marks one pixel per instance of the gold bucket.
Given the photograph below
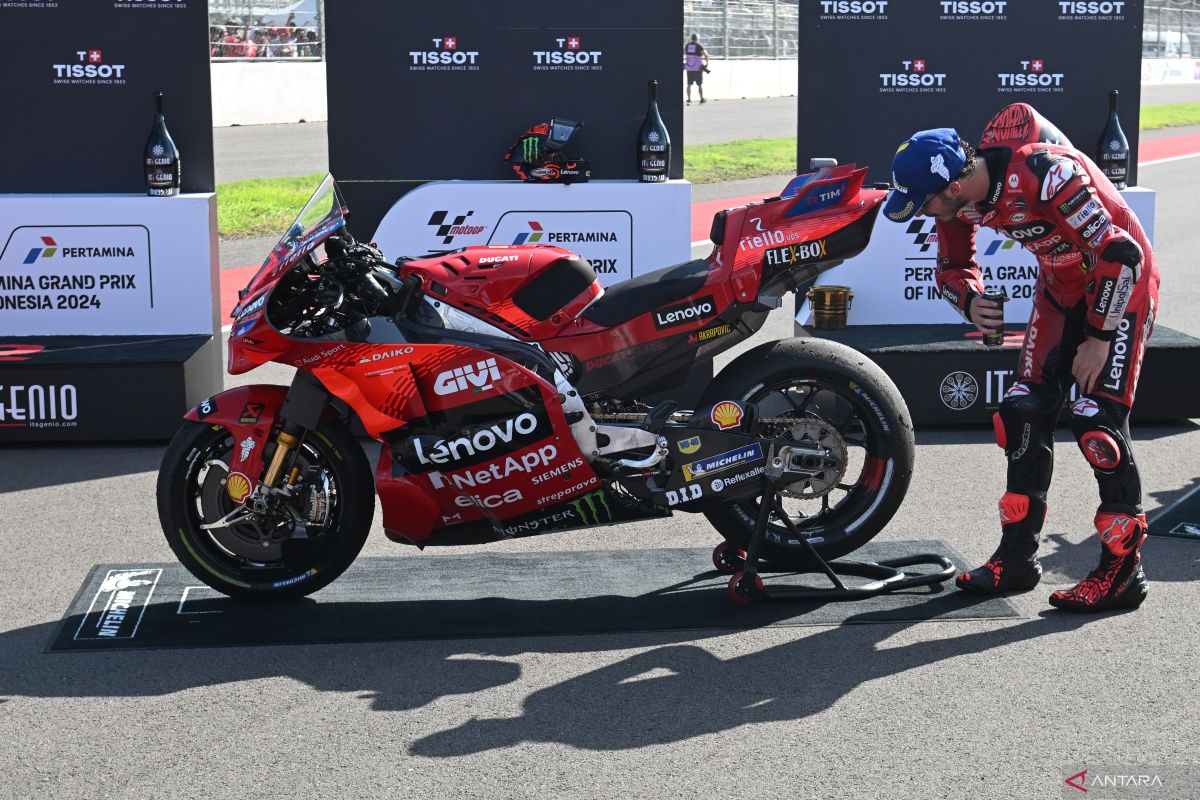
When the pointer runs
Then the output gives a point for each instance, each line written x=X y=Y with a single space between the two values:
x=830 y=305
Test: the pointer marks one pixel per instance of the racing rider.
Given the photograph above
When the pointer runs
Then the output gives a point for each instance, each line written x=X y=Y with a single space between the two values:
x=1093 y=310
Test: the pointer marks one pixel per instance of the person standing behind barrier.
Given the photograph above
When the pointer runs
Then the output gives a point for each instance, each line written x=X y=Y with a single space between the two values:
x=1093 y=312
x=695 y=61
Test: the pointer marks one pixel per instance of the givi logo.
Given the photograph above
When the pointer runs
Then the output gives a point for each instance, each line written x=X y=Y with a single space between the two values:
x=477 y=378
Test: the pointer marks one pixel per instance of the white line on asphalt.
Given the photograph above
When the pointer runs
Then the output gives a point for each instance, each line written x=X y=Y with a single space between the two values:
x=1162 y=511
x=1166 y=160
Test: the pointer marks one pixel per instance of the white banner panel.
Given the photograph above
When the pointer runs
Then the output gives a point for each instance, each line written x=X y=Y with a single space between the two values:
x=893 y=281
x=623 y=228
x=107 y=265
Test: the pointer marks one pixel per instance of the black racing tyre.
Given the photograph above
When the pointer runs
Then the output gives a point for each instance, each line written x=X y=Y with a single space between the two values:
x=837 y=393
x=306 y=542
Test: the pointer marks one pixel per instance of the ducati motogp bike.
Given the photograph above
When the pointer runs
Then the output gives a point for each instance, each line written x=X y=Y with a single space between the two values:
x=511 y=394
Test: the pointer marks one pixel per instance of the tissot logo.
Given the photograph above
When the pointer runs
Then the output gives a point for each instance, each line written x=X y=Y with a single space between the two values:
x=974 y=9
x=570 y=54
x=445 y=55
x=1033 y=77
x=916 y=77
x=854 y=9
x=88 y=68
x=683 y=313
x=456 y=226
x=1091 y=10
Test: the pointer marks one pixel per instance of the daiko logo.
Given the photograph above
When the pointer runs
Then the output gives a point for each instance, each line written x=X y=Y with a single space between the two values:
x=916 y=77
x=570 y=55
x=455 y=227
x=444 y=56
x=51 y=247
x=89 y=68
x=1033 y=77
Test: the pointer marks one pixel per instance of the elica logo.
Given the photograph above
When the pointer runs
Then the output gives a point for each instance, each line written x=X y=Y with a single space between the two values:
x=51 y=248
x=684 y=313
x=38 y=406
x=973 y=9
x=1091 y=10
x=916 y=77
x=474 y=379
x=471 y=446
x=89 y=68
x=455 y=227
x=570 y=55
x=854 y=9
x=444 y=56
x=1033 y=77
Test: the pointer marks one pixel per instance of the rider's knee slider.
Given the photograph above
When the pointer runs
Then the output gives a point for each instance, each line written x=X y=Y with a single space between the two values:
x=1098 y=434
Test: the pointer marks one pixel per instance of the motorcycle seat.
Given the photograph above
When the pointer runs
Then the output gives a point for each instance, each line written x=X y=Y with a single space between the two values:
x=645 y=293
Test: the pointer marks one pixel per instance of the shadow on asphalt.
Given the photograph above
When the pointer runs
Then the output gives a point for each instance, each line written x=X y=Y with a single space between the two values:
x=673 y=692
x=46 y=465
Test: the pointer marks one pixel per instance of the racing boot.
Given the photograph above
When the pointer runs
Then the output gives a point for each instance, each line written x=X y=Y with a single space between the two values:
x=1118 y=582
x=1012 y=568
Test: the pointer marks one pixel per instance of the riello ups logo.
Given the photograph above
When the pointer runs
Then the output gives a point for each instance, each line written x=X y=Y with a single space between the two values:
x=445 y=55
x=1033 y=77
x=88 y=69
x=569 y=55
x=854 y=9
x=916 y=78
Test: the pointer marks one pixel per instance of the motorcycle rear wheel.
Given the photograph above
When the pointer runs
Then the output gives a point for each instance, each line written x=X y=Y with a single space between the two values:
x=830 y=387
x=264 y=558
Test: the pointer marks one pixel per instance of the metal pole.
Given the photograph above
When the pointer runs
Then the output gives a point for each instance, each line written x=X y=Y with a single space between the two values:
x=725 y=29
x=775 y=29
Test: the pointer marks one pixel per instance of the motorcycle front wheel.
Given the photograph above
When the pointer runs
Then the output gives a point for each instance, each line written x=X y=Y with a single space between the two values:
x=300 y=544
x=842 y=402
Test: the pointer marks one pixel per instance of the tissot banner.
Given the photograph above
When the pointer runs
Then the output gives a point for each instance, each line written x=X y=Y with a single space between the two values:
x=874 y=71
x=437 y=91
x=77 y=78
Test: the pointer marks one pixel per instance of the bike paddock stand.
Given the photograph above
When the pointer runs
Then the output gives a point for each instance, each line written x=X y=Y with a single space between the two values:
x=746 y=585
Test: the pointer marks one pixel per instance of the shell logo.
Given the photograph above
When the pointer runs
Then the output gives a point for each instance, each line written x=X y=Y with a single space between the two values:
x=238 y=486
x=726 y=414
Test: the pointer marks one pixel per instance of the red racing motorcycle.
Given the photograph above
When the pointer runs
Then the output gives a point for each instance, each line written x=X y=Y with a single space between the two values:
x=509 y=391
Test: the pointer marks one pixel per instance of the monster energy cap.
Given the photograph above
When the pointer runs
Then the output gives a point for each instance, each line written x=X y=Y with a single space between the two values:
x=923 y=166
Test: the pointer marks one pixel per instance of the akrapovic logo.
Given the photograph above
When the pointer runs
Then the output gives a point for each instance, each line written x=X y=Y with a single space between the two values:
x=683 y=313
x=974 y=10
x=472 y=378
x=569 y=55
x=854 y=9
x=444 y=56
x=88 y=68
x=915 y=78
x=1033 y=77
x=455 y=227
x=1090 y=10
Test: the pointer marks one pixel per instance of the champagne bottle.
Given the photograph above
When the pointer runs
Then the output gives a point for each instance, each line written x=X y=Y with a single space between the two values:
x=653 y=144
x=1112 y=153
x=162 y=157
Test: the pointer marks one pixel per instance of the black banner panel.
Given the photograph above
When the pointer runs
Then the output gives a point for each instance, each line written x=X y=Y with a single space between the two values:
x=872 y=72
x=78 y=78
x=440 y=91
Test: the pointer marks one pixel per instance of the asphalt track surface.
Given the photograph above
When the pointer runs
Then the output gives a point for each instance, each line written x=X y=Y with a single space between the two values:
x=988 y=709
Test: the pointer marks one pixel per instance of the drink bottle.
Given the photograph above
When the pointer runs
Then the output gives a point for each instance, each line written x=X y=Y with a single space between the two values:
x=162 y=157
x=653 y=143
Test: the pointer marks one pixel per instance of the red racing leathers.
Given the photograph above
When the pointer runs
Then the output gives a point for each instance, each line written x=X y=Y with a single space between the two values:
x=1096 y=278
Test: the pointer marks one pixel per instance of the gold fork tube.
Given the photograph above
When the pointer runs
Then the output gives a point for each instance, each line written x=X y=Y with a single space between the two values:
x=284 y=442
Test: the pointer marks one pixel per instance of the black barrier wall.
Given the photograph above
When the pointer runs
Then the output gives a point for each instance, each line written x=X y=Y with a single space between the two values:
x=77 y=78
x=423 y=92
x=874 y=71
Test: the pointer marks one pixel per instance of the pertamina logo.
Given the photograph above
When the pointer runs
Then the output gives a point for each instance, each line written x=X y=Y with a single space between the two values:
x=89 y=69
x=1033 y=77
x=455 y=227
x=1090 y=10
x=916 y=77
x=854 y=9
x=468 y=378
x=444 y=56
x=538 y=233
x=685 y=312
x=570 y=55
x=974 y=10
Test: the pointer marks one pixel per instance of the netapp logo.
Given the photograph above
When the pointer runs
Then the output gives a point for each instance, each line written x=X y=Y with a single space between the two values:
x=1032 y=78
x=1091 y=10
x=915 y=78
x=854 y=9
x=89 y=69
x=570 y=55
x=683 y=313
x=444 y=57
x=973 y=10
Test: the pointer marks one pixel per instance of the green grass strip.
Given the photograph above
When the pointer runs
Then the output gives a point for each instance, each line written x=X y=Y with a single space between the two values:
x=1170 y=115
x=731 y=161
x=262 y=206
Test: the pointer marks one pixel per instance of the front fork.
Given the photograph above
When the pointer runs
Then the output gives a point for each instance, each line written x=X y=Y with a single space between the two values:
x=302 y=411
